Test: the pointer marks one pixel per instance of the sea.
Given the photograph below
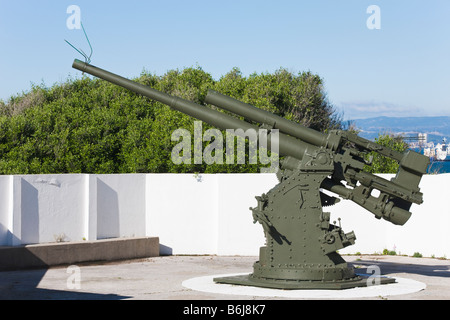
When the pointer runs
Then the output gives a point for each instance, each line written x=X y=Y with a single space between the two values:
x=437 y=167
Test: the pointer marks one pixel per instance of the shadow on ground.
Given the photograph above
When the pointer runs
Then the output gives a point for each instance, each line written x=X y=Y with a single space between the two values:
x=23 y=285
x=395 y=267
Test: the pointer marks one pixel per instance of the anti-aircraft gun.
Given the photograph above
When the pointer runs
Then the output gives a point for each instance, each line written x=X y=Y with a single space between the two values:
x=301 y=243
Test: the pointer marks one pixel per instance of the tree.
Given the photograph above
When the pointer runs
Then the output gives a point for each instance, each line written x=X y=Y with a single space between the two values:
x=382 y=164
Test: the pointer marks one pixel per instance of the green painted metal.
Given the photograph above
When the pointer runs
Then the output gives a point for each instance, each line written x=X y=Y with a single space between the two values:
x=301 y=243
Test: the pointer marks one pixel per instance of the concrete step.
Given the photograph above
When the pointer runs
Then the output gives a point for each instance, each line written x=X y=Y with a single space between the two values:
x=65 y=253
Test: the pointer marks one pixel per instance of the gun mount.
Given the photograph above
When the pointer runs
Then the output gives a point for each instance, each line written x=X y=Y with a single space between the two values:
x=301 y=243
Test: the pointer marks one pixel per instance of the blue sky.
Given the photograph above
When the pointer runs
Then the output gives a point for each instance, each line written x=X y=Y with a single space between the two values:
x=401 y=69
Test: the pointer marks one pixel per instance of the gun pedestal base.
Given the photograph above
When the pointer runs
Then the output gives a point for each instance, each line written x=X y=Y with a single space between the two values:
x=301 y=243
x=251 y=280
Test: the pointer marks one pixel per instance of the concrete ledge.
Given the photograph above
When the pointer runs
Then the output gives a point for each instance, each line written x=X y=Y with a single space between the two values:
x=52 y=254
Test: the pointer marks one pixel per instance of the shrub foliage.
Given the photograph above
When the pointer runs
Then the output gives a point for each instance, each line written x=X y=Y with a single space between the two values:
x=88 y=125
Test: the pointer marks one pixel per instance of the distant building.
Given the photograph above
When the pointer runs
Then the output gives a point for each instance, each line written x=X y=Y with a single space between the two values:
x=439 y=152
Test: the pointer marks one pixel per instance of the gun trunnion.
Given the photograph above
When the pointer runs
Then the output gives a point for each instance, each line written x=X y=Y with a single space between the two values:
x=301 y=244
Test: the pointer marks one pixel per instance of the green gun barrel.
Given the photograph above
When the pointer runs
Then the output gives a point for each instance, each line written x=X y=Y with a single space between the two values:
x=284 y=125
x=287 y=145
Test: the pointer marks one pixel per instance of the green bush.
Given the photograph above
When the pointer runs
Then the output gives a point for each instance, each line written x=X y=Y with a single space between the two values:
x=389 y=252
x=382 y=164
x=91 y=126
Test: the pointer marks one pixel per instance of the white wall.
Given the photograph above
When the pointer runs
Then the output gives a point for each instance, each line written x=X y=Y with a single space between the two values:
x=425 y=232
x=205 y=214
x=238 y=235
x=120 y=205
x=187 y=204
x=70 y=207
x=5 y=212
x=40 y=208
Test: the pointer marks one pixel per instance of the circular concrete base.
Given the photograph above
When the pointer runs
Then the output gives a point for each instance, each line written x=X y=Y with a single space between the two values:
x=402 y=286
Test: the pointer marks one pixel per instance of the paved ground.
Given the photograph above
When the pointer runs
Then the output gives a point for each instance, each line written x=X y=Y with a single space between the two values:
x=161 y=278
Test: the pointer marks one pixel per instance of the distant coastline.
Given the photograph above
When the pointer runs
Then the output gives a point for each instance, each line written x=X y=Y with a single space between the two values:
x=436 y=129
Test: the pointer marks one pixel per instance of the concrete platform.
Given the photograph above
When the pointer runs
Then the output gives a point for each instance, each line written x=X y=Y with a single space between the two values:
x=162 y=278
x=65 y=253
